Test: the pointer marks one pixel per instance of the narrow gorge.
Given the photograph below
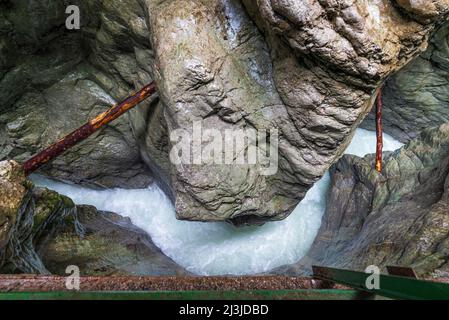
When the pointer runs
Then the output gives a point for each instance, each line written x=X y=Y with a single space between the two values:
x=303 y=75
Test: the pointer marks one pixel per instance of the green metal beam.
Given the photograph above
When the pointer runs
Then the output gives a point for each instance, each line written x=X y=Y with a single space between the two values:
x=309 y=294
x=389 y=286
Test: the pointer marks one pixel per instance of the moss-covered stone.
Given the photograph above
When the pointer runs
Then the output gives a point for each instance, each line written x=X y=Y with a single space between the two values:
x=109 y=245
x=12 y=194
x=397 y=217
x=44 y=232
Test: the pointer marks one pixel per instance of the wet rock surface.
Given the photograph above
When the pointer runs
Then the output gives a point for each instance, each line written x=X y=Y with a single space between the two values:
x=45 y=232
x=16 y=247
x=307 y=69
x=53 y=80
x=312 y=79
x=106 y=244
x=12 y=193
x=416 y=97
x=398 y=218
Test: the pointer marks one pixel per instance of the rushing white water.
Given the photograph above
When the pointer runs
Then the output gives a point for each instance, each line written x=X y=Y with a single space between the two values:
x=219 y=248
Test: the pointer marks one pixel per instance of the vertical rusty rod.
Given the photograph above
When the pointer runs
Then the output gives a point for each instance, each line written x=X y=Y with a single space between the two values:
x=379 y=138
x=87 y=129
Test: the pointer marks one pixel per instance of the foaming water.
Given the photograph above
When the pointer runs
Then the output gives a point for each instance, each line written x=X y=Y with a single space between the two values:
x=219 y=248
x=364 y=142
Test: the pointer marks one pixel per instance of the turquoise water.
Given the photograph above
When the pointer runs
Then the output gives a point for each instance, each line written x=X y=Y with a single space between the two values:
x=219 y=248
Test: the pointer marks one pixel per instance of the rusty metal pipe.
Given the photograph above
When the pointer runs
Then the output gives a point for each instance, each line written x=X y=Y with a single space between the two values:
x=379 y=137
x=87 y=129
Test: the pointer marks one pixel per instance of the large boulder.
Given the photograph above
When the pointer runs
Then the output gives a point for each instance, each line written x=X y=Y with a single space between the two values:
x=104 y=243
x=16 y=215
x=43 y=232
x=399 y=217
x=312 y=78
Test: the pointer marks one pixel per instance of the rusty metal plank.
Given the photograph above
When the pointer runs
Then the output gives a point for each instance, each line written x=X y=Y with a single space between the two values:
x=331 y=294
x=34 y=283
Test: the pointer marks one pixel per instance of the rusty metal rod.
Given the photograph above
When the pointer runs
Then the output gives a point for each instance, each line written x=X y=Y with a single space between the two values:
x=379 y=143
x=87 y=129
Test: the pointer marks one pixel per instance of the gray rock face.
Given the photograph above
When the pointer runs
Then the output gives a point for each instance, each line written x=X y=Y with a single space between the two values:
x=53 y=80
x=104 y=243
x=417 y=96
x=215 y=71
x=307 y=70
x=325 y=61
x=43 y=232
x=399 y=217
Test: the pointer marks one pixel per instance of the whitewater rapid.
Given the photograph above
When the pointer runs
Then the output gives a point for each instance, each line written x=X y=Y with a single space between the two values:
x=219 y=248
